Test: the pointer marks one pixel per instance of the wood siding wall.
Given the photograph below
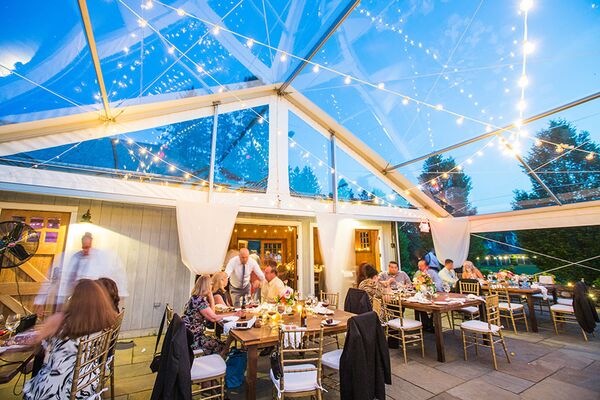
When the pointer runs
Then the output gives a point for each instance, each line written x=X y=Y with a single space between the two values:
x=146 y=240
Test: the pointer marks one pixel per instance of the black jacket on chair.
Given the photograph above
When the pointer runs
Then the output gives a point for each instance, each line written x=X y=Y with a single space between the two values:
x=365 y=361
x=357 y=301
x=174 y=380
x=584 y=308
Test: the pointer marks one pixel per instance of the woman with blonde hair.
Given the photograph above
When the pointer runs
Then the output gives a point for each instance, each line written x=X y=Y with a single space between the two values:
x=199 y=311
x=88 y=312
x=470 y=271
x=219 y=283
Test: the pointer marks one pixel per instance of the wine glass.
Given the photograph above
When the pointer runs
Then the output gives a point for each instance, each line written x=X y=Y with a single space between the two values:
x=446 y=287
x=12 y=322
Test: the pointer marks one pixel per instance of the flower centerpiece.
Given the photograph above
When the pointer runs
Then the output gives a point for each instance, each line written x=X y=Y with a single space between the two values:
x=504 y=275
x=423 y=283
x=287 y=299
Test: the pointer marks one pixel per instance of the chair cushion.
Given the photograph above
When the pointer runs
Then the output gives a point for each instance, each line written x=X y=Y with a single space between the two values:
x=332 y=359
x=506 y=306
x=566 y=302
x=198 y=352
x=407 y=324
x=297 y=381
x=540 y=296
x=562 y=308
x=207 y=367
x=479 y=326
x=470 y=309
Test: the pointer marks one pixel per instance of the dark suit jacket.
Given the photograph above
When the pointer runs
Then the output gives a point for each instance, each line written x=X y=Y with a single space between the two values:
x=357 y=301
x=174 y=381
x=584 y=308
x=365 y=362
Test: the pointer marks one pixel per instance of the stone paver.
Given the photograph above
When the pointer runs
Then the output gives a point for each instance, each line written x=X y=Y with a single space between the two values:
x=401 y=389
x=426 y=377
x=479 y=389
x=507 y=382
x=554 y=389
x=464 y=369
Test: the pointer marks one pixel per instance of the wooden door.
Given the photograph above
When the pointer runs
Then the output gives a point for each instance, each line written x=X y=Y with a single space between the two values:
x=366 y=247
x=53 y=227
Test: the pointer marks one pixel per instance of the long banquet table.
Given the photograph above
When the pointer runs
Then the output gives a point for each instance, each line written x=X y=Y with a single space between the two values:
x=528 y=293
x=267 y=335
x=437 y=309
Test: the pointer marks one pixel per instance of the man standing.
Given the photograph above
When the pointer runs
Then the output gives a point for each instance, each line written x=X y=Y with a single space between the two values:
x=239 y=269
x=394 y=277
x=273 y=287
x=447 y=274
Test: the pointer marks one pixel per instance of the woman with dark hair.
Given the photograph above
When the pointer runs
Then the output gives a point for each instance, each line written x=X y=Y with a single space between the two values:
x=88 y=312
x=371 y=282
x=112 y=290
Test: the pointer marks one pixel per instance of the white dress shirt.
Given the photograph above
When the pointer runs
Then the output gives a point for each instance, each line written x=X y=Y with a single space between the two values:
x=448 y=276
x=234 y=270
x=270 y=290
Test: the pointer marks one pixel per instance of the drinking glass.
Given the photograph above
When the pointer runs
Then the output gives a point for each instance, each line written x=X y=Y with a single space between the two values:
x=12 y=322
x=446 y=287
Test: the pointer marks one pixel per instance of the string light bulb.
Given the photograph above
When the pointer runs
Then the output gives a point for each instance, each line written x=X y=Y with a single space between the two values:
x=250 y=43
x=283 y=57
x=381 y=86
x=523 y=81
x=216 y=30
x=460 y=120
x=526 y=5
x=589 y=157
x=439 y=107
x=316 y=68
x=180 y=12
x=538 y=142
x=528 y=47
x=347 y=80
x=405 y=101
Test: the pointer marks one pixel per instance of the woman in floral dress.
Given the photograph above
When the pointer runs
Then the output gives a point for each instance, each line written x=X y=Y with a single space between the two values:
x=200 y=310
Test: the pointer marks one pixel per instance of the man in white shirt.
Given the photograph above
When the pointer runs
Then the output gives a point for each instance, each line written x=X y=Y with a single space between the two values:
x=447 y=274
x=273 y=286
x=239 y=269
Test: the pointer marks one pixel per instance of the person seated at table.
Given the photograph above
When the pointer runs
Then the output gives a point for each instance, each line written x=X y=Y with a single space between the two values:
x=424 y=269
x=199 y=311
x=112 y=290
x=371 y=282
x=470 y=271
x=447 y=274
x=394 y=277
x=273 y=287
x=219 y=291
x=87 y=313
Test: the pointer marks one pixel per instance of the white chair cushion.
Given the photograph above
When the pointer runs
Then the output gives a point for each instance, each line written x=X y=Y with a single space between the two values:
x=540 y=296
x=566 y=302
x=506 y=306
x=479 y=326
x=207 y=367
x=198 y=352
x=332 y=359
x=562 y=308
x=470 y=309
x=297 y=381
x=407 y=324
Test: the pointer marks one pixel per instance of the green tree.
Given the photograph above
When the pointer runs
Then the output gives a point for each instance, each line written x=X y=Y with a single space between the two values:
x=304 y=181
x=449 y=187
x=411 y=241
x=345 y=191
x=571 y=177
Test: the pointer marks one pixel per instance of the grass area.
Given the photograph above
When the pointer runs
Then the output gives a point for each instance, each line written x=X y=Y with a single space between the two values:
x=528 y=269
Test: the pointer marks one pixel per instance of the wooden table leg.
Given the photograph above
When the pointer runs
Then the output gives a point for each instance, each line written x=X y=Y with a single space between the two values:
x=439 y=336
x=532 y=317
x=251 y=368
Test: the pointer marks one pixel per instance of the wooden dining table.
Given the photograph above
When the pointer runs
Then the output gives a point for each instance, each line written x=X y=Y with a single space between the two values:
x=268 y=335
x=528 y=293
x=437 y=307
x=13 y=362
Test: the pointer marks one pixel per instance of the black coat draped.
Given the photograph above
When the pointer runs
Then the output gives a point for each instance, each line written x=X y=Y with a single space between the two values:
x=365 y=361
x=357 y=301
x=584 y=308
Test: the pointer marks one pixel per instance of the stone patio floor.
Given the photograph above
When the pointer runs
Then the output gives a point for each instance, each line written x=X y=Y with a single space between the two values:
x=543 y=366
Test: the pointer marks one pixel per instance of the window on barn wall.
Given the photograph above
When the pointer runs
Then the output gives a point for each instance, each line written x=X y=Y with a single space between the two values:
x=242 y=154
x=309 y=155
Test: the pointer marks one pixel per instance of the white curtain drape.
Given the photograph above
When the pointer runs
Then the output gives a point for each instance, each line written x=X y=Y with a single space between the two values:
x=336 y=239
x=451 y=238
x=204 y=234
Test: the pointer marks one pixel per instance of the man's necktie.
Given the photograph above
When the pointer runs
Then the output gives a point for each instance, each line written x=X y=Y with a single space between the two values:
x=243 y=274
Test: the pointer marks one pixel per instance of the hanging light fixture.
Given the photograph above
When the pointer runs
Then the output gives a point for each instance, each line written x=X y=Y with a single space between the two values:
x=87 y=217
x=424 y=226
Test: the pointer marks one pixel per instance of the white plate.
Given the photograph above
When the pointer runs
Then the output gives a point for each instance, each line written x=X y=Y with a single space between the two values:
x=231 y=318
x=326 y=312
x=334 y=323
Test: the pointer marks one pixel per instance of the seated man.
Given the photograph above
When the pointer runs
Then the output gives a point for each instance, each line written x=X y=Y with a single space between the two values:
x=273 y=286
x=447 y=274
x=424 y=269
x=394 y=277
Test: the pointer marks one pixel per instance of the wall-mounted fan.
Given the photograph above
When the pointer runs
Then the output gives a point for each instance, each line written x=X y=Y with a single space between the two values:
x=18 y=243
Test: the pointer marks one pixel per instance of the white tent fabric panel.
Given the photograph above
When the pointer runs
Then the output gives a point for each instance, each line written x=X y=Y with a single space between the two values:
x=451 y=237
x=204 y=234
x=336 y=238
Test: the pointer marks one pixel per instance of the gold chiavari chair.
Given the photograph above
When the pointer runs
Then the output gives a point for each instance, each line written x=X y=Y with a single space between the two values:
x=332 y=298
x=90 y=363
x=511 y=311
x=407 y=331
x=486 y=334
x=208 y=375
x=564 y=314
x=110 y=359
x=300 y=352
x=470 y=312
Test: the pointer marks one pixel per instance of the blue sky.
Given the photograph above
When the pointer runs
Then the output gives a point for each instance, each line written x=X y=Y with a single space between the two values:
x=463 y=54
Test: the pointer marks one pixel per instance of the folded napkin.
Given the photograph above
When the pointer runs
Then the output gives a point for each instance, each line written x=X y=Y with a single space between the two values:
x=418 y=298
x=292 y=339
x=471 y=296
x=543 y=289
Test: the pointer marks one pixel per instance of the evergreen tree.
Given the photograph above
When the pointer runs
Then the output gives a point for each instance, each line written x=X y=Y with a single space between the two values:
x=451 y=192
x=304 y=181
x=345 y=191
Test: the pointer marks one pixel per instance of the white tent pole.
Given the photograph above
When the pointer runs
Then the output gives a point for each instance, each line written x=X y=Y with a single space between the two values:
x=213 y=149
x=334 y=173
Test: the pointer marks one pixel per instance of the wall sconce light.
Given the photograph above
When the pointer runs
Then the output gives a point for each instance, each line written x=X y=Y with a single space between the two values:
x=87 y=217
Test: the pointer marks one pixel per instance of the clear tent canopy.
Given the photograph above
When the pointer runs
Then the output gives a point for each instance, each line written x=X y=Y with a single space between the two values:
x=408 y=79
